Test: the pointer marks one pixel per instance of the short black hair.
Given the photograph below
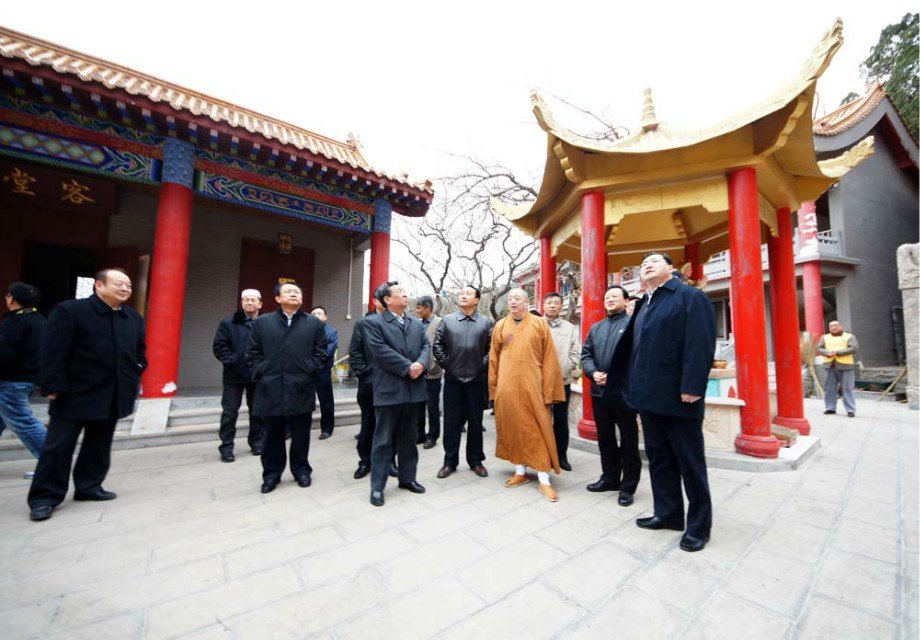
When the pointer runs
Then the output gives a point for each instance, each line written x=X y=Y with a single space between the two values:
x=319 y=306
x=103 y=274
x=426 y=301
x=25 y=294
x=383 y=291
x=664 y=255
x=534 y=312
x=476 y=289
x=281 y=284
x=621 y=288
x=552 y=294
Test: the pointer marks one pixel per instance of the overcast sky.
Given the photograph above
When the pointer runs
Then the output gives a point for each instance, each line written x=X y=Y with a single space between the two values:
x=419 y=80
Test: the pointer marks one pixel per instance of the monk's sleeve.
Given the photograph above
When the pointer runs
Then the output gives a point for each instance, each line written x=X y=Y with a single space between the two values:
x=553 y=389
x=494 y=354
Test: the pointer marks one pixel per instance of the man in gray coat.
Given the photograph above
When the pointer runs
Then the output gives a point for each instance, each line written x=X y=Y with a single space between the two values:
x=424 y=309
x=565 y=338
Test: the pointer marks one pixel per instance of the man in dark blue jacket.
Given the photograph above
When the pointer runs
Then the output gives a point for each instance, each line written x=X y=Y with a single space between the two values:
x=668 y=349
x=92 y=356
x=285 y=351
x=230 y=348
x=401 y=357
x=620 y=466
x=20 y=338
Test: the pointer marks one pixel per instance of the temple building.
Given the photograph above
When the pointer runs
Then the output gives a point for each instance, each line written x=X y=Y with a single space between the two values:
x=730 y=187
x=194 y=197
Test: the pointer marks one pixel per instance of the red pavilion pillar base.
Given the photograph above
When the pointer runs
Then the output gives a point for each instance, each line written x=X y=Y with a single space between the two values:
x=757 y=446
x=594 y=281
x=801 y=424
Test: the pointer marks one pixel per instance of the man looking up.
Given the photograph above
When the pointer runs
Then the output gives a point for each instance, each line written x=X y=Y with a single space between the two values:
x=620 y=466
x=230 y=348
x=461 y=347
x=565 y=339
x=524 y=382
x=424 y=309
x=324 y=376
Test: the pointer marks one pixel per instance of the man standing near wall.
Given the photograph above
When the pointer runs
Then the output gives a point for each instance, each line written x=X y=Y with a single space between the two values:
x=230 y=348
x=839 y=348
x=424 y=309
x=20 y=339
x=285 y=351
x=461 y=347
x=565 y=338
x=324 y=376
x=92 y=356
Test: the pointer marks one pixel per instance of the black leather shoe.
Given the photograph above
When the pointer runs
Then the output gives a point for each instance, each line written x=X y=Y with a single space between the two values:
x=412 y=486
x=377 y=498
x=564 y=465
x=655 y=522
x=256 y=451
x=99 y=496
x=269 y=485
x=304 y=481
x=850 y=414
x=429 y=444
x=691 y=544
x=394 y=471
x=625 y=499
x=603 y=485
x=828 y=412
x=363 y=470
x=480 y=471
x=227 y=457
x=41 y=513
x=324 y=435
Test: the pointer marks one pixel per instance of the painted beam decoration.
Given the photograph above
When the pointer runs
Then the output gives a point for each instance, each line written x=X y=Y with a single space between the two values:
x=239 y=192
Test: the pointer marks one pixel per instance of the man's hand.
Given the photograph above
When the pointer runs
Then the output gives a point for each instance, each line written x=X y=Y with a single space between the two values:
x=831 y=354
x=600 y=378
x=689 y=398
x=415 y=370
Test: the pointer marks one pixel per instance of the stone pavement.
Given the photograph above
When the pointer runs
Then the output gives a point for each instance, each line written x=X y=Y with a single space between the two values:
x=191 y=549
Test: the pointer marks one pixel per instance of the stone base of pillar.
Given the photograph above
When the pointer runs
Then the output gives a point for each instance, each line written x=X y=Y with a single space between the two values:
x=757 y=446
x=587 y=429
x=799 y=424
x=151 y=416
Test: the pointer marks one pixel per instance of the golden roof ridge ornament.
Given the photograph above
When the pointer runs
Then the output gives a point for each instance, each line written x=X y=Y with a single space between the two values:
x=649 y=119
x=838 y=166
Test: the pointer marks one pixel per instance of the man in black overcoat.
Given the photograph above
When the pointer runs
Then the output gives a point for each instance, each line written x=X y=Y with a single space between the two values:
x=620 y=465
x=285 y=350
x=230 y=342
x=401 y=357
x=668 y=348
x=92 y=357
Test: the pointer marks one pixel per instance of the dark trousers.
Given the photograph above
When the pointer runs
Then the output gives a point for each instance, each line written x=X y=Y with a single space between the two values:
x=274 y=454
x=674 y=447
x=464 y=403
x=230 y=403
x=368 y=422
x=399 y=421
x=619 y=464
x=561 y=425
x=326 y=401
x=433 y=406
x=52 y=474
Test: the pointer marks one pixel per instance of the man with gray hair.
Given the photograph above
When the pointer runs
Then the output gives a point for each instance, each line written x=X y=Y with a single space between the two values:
x=230 y=349
x=424 y=309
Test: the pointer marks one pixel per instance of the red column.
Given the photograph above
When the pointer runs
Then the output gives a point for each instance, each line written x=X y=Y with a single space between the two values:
x=547 y=271
x=692 y=255
x=811 y=270
x=784 y=312
x=168 y=271
x=380 y=249
x=756 y=438
x=593 y=284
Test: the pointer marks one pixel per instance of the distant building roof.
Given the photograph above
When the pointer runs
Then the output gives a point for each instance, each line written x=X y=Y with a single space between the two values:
x=850 y=114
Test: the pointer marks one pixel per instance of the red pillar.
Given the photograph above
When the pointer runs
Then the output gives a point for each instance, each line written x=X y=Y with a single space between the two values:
x=380 y=249
x=168 y=271
x=756 y=438
x=692 y=255
x=593 y=284
x=811 y=270
x=784 y=312
x=547 y=271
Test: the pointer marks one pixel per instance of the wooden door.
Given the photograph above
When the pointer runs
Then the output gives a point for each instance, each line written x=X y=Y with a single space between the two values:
x=262 y=267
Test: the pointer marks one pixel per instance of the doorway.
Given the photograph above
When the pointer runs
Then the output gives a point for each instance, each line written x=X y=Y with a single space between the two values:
x=262 y=266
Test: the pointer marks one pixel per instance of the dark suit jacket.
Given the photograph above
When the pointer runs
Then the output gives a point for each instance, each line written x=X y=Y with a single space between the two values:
x=360 y=356
x=92 y=357
x=20 y=341
x=674 y=353
x=283 y=360
x=395 y=348
x=229 y=347
x=597 y=353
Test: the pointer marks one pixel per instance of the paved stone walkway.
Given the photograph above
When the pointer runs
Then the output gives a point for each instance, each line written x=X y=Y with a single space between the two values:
x=191 y=549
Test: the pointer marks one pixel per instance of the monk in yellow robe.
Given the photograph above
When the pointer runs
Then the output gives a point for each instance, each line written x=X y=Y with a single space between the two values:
x=524 y=381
